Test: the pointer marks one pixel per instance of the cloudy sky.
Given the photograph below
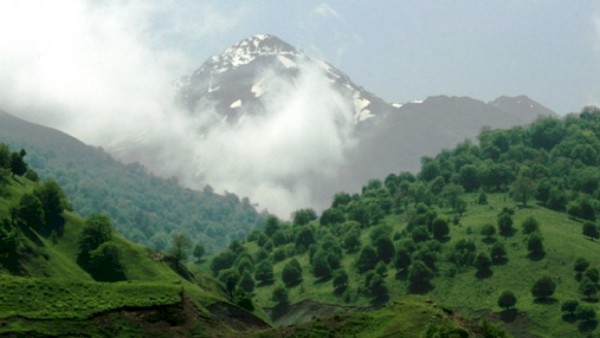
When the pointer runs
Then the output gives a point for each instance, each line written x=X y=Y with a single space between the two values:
x=400 y=50
x=104 y=71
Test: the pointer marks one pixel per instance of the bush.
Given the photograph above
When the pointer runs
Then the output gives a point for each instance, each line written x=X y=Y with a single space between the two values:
x=543 y=288
x=292 y=273
x=530 y=225
x=507 y=300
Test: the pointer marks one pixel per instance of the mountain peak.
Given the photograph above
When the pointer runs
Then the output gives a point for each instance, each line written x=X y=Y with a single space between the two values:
x=248 y=50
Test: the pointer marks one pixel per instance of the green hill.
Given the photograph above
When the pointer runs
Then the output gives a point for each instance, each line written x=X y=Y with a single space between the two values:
x=64 y=275
x=145 y=208
x=477 y=221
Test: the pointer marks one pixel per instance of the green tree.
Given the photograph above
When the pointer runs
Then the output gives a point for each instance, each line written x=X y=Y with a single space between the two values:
x=378 y=290
x=367 y=259
x=385 y=249
x=403 y=259
x=53 y=200
x=530 y=225
x=505 y=223
x=543 y=288
x=581 y=264
x=469 y=177
x=17 y=163
x=180 y=245
x=105 y=263
x=483 y=262
x=588 y=288
x=498 y=253
x=304 y=216
x=507 y=300
x=199 y=252
x=352 y=240
x=488 y=231
x=272 y=226
x=419 y=276
x=591 y=230
x=522 y=189
x=30 y=212
x=570 y=306
x=340 y=281
x=264 y=273
x=535 y=244
x=292 y=273
x=304 y=239
x=440 y=229
x=230 y=278
x=320 y=265
x=280 y=296
x=247 y=282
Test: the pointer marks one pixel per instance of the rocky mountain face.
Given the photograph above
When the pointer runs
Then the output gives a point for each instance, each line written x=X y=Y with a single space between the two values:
x=243 y=82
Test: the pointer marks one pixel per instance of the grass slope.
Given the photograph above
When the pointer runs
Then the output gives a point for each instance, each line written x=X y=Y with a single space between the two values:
x=45 y=292
x=463 y=291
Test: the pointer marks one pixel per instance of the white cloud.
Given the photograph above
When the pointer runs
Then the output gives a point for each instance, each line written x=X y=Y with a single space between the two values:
x=325 y=10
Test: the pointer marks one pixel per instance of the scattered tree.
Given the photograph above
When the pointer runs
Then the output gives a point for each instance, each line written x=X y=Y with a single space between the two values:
x=488 y=231
x=530 y=225
x=535 y=244
x=292 y=273
x=440 y=229
x=199 y=252
x=179 y=248
x=543 y=288
x=264 y=273
x=591 y=230
x=507 y=300
x=367 y=259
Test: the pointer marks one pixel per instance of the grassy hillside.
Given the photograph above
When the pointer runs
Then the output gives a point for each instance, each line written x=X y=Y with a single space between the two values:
x=145 y=208
x=49 y=289
x=477 y=221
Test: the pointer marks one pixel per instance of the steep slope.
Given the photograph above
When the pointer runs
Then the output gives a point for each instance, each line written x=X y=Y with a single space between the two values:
x=145 y=208
x=49 y=288
x=515 y=216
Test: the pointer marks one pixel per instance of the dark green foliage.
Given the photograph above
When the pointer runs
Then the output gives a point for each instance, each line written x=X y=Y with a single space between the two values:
x=488 y=231
x=180 y=246
x=97 y=230
x=420 y=234
x=199 y=252
x=588 y=288
x=530 y=225
x=482 y=198
x=569 y=306
x=304 y=239
x=507 y=300
x=505 y=223
x=230 y=278
x=543 y=288
x=381 y=269
x=482 y=262
x=498 y=253
x=440 y=229
x=378 y=290
x=304 y=216
x=385 y=249
x=591 y=230
x=222 y=261
x=332 y=216
x=30 y=212
x=586 y=314
x=272 y=226
x=593 y=274
x=367 y=259
x=469 y=177
x=320 y=265
x=419 y=276
x=17 y=163
x=340 y=281
x=535 y=244
x=403 y=259
x=352 y=240
x=104 y=263
x=280 y=296
x=264 y=273
x=582 y=208
x=463 y=254
x=32 y=175
x=581 y=264
x=522 y=189
x=292 y=273
x=247 y=282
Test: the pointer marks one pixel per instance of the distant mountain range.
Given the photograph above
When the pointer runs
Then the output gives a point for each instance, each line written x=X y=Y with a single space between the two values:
x=239 y=85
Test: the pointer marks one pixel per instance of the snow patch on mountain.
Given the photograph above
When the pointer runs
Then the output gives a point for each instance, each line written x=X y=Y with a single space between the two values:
x=287 y=62
x=236 y=104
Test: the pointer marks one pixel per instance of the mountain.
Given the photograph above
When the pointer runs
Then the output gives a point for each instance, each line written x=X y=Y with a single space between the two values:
x=72 y=276
x=504 y=231
x=261 y=77
x=247 y=75
x=145 y=208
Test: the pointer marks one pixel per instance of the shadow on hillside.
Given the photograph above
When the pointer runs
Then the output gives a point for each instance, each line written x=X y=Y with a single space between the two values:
x=569 y=317
x=546 y=301
x=536 y=256
x=509 y=316
x=588 y=326
x=489 y=240
x=500 y=261
x=13 y=266
x=420 y=288
x=402 y=275
x=483 y=274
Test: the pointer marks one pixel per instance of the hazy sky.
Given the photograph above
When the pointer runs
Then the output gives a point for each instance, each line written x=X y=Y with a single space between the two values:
x=407 y=50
